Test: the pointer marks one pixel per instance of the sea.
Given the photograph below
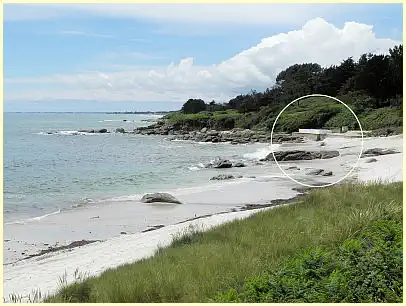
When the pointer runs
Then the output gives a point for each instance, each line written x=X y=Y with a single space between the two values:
x=50 y=167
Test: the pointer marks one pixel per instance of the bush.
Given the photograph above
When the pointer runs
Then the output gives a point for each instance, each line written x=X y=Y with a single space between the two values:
x=381 y=118
x=364 y=269
x=193 y=106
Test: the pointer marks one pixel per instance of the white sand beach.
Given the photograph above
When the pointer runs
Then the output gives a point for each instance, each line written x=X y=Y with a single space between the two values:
x=108 y=221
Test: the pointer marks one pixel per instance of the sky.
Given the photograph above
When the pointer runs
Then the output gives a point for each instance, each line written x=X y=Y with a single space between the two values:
x=139 y=57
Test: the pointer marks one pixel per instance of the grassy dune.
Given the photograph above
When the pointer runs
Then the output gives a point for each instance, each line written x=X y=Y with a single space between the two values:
x=231 y=261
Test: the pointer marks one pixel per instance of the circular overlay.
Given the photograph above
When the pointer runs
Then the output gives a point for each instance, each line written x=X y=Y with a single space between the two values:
x=362 y=140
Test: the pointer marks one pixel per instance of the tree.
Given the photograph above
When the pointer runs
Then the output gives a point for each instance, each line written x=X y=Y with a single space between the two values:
x=193 y=106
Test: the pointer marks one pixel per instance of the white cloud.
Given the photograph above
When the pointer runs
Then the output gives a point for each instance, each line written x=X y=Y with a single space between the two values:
x=317 y=41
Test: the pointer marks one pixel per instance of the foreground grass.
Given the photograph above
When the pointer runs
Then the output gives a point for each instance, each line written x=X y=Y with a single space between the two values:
x=198 y=267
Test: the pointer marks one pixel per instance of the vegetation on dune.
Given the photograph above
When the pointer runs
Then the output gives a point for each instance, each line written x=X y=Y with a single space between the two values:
x=372 y=83
x=336 y=244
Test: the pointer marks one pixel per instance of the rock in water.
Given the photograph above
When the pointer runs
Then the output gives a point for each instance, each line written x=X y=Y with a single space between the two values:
x=239 y=165
x=222 y=177
x=120 y=130
x=378 y=151
x=371 y=160
x=223 y=163
x=203 y=130
x=301 y=155
x=102 y=131
x=159 y=197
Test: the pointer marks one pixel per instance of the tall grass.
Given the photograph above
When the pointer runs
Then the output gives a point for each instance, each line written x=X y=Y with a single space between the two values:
x=199 y=265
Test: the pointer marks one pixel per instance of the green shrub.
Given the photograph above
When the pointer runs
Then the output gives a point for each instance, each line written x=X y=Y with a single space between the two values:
x=363 y=269
x=381 y=118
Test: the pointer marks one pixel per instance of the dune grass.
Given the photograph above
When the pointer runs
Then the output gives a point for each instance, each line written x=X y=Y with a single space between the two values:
x=198 y=266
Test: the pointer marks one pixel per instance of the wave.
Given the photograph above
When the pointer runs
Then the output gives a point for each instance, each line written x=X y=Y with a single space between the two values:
x=197 y=167
x=24 y=221
x=69 y=133
x=116 y=120
x=261 y=153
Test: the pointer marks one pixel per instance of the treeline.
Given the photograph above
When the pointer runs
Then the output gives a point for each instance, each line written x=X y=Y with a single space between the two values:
x=373 y=82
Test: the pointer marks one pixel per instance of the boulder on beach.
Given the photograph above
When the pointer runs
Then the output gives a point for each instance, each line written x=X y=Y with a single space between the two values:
x=378 y=151
x=159 y=197
x=102 y=131
x=293 y=168
x=120 y=130
x=319 y=172
x=371 y=160
x=301 y=155
x=221 y=177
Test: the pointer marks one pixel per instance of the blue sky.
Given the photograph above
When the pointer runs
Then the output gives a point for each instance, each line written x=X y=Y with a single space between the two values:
x=122 y=57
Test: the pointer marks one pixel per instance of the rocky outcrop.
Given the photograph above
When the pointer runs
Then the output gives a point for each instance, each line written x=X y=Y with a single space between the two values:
x=377 y=151
x=300 y=155
x=234 y=136
x=159 y=197
x=221 y=177
x=120 y=130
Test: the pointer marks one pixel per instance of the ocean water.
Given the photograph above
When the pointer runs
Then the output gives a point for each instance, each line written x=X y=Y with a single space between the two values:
x=48 y=173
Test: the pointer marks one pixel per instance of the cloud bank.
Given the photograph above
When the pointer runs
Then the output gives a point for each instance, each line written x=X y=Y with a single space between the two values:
x=317 y=41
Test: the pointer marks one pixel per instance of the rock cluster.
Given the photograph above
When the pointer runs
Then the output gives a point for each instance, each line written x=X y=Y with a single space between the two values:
x=234 y=136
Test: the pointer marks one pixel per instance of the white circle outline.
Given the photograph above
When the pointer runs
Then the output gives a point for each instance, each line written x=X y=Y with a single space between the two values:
x=362 y=140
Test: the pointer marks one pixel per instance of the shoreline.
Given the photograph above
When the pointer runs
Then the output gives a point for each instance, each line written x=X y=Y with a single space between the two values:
x=145 y=241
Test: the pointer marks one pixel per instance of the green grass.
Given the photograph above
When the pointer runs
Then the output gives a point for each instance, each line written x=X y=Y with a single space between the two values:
x=382 y=118
x=179 y=116
x=198 y=267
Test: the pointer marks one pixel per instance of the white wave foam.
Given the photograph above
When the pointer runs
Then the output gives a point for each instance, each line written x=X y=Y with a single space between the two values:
x=35 y=218
x=69 y=133
x=261 y=153
x=197 y=167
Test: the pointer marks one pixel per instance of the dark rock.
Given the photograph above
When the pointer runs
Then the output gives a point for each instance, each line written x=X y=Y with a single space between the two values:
x=221 y=164
x=293 y=168
x=319 y=172
x=159 y=197
x=377 y=152
x=314 y=172
x=371 y=160
x=123 y=233
x=301 y=155
x=102 y=131
x=327 y=173
x=222 y=177
x=120 y=130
